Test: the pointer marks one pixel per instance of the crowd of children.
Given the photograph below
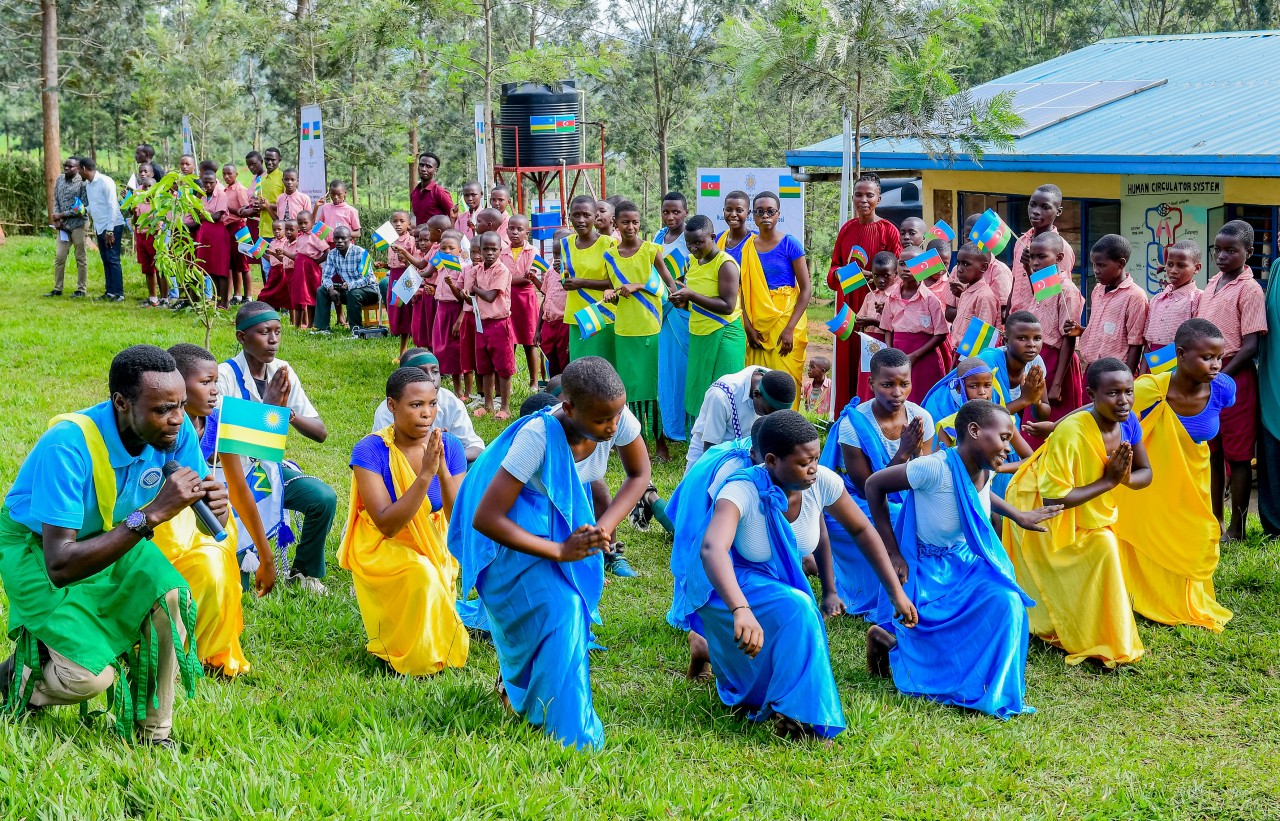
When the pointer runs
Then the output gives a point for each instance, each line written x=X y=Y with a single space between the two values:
x=1008 y=465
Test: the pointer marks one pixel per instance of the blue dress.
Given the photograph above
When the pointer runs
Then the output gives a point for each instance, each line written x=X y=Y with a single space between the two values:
x=538 y=611
x=969 y=648
x=791 y=676
x=856 y=581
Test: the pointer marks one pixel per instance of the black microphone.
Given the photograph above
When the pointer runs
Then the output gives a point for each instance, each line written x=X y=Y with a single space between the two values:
x=211 y=524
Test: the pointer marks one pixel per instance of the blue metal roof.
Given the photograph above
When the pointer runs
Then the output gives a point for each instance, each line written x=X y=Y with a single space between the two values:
x=1218 y=114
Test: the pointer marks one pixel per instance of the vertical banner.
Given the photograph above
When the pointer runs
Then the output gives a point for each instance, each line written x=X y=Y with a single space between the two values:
x=482 y=153
x=188 y=144
x=714 y=184
x=312 y=179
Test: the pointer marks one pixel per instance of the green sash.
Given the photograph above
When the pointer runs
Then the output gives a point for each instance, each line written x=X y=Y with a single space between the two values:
x=96 y=622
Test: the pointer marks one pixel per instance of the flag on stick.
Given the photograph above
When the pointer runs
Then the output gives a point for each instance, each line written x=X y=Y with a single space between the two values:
x=590 y=322
x=385 y=236
x=1165 y=359
x=540 y=265
x=851 y=278
x=943 y=231
x=244 y=237
x=990 y=232
x=978 y=337
x=447 y=263
x=1046 y=283
x=322 y=231
x=676 y=262
x=926 y=265
x=252 y=429
x=842 y=323
x=870 y=347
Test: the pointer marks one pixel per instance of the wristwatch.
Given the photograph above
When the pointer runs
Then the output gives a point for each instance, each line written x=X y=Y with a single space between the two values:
x=137 y=522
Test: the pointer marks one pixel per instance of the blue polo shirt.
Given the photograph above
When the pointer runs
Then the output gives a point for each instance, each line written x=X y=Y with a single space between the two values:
x=55 y=483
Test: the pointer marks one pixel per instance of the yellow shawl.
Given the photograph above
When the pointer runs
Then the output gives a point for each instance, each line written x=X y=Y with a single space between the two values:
x=769 y=312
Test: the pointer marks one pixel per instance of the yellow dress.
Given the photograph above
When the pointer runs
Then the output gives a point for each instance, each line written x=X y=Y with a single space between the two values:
x=211 y=570
x=405 y=585
x=1168 y=533
x=769 y=311
x=1073 y=571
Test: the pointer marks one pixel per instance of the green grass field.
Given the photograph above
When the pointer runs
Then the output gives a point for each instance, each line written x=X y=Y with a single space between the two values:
x=317 y=730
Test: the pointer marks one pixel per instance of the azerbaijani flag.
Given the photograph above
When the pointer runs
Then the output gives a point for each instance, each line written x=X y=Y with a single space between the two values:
x=859 y=255
x=306 y=131
x=943 y=231
x=590 y=322
x=252 y=429
x=990 y=232
x=1046 y=283
x=258 y=249
x=566 y=125
x=384 y=237
x=851 y=278
x=244 y=237
x=978 y=337
x=1162 y=360
x=540 y=265
x=788 y=188
x=322 y=231
x=78 y=207
x=447 y=262
x=926 y=265
x=676 y=262
x=842 y=323
x=542 y=125
x=710 y=185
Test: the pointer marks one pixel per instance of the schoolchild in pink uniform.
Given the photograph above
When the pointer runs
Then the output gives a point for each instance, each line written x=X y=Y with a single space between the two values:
x=490 y=285
x=1117 y=307
x=1180 y=298
x=526 y=288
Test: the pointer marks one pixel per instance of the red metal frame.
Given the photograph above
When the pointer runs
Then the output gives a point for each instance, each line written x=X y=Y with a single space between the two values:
x=544 y=177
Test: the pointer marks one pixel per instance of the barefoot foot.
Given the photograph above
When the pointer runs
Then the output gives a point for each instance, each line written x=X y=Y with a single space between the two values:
x=699 y=658
x=879 y=643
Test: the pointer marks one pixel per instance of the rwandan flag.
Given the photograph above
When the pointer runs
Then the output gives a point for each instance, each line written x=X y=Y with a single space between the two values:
x=366 y=265
x=676 y=262
x=943 y=231
x=384 y=237
x=542 y=125
x=322 y=231
x=540 y=265
x=1046 y=282
x=590 y=322
x=842 y=323
x=1162 y=360
x=252 y=429
x=79 y=208
x=926 y=265
x=447 y=263
x=788 y=188
x=244 y=237
x=654 y=283
x=990 y=232
x=978 y=337
x=851 y=278
x=710 y=185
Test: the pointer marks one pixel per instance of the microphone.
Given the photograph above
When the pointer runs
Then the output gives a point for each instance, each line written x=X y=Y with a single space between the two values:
x=211 y=524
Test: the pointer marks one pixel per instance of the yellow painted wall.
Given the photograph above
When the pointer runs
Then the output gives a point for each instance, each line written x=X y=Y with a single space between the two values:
x=1236 y=190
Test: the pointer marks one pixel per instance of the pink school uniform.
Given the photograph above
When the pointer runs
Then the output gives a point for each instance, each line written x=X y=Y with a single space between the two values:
x=1053 y=313
x=1166 y=311
x=1238 y=309
x=399 y=317
x=524 y=294
x=334 y=214
x=978 y=300
x=495 y=343
x=456 y=353
x=553 y=333
x=1022 y=298
x=235 y=197
x=307 y=273
x=276 y=291
x=423 y=309
x=288 y=206
x=913 y=322
x=1117 y=319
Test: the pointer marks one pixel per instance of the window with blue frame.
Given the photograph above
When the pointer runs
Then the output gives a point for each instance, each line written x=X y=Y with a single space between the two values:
x=1264 y=219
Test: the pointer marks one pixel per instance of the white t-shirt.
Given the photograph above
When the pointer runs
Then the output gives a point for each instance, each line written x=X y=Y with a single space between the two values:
x=451 y=416
x=937 y=511
x=752 y=538
x=848 y=436
x=715 y=422
x=529 y=448
x=228 y=385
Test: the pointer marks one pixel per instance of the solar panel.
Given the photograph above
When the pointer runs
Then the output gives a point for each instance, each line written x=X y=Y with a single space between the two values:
x=1044 y=104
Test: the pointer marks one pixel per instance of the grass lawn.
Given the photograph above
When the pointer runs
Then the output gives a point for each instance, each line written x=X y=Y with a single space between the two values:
x=317 y=730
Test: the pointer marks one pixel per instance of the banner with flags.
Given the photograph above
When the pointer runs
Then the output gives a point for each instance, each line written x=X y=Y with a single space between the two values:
x=977 y=337
x=714 y=184
x=312 y=180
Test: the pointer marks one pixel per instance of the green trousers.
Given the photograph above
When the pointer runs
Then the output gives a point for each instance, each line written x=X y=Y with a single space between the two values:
x=354 y=299
x=317 y=503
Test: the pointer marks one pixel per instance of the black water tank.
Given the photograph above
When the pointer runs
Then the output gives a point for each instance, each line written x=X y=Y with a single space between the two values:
x=547 y=120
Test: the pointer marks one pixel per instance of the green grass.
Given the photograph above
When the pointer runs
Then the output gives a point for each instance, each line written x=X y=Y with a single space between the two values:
x=316 y=730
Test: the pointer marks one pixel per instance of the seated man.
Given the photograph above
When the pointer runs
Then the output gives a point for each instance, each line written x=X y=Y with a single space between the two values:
x=344 y=282
x=452 y=416
x=732 y=404
x=90 y=596
x=257 y=375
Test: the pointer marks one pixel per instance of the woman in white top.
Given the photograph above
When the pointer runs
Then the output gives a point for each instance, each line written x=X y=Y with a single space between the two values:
x=970 y=647
x=748 y=597
x=527 y=537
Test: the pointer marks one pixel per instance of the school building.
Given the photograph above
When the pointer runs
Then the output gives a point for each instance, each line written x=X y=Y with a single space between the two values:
x=1158 y=139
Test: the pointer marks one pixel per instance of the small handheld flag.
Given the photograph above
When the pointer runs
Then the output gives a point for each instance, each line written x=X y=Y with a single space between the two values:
x=322 y=231
x=79 y=208
x=870 y=347
x=540 y=265
x=978 y=337
x=654 y=283
x=858 y=254
x=404 y=289
x=244 y=237
x=475 y=309
x=990 y=232
x=926 y=265
x=676 y=263
x=943 y=231
x=851 y=278
x=257 y=185
x=258 y=249
x=1163 y=360
x=589 y=321
x=842 y=323
x=447 y=263
x=384 y=237
x=252 y=429
x=366 y=265
x=1046 y=283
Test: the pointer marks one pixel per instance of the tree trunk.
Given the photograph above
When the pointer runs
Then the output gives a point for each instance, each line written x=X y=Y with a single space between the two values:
x=857 y=133
x=355 y=190
x=52 y=143
x=661 y=115
x=413 y=155
x=490 y=156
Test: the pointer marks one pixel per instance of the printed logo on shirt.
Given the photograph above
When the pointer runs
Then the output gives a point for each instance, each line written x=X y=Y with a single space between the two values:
x=1109 y=328
x=926 y=321
x=150 y=478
